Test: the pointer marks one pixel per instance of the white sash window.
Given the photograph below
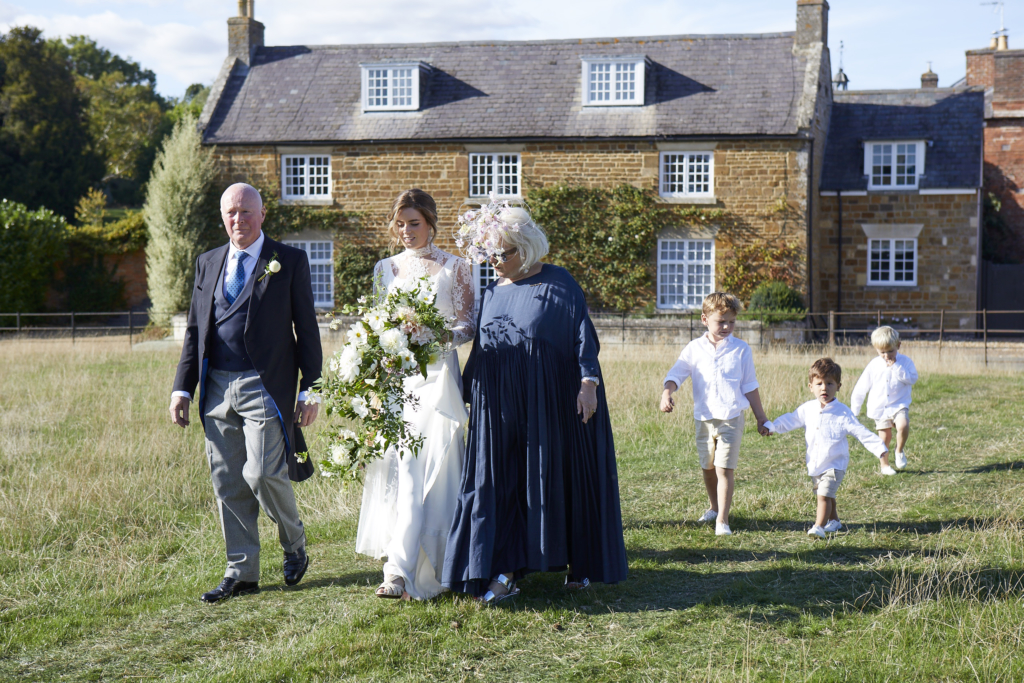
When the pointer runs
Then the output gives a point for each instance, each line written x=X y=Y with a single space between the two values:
x=894 y=165
x=686 y=272
x=687 y=174
x=892 y=262
x=321 y=268
x=614 y=81
x=306 y=176
x=391 y=87
x=494 y=172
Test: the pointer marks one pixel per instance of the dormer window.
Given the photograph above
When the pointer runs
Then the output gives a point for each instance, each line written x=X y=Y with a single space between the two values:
x=391 y=87
x=614 y=81
x=895 y=165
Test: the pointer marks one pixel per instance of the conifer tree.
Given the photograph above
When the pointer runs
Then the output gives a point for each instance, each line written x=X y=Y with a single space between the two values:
x=177 y=216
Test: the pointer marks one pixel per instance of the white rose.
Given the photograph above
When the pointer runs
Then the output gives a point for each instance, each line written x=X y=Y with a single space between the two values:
x=393 y=341
x=274 y=267
x=348 y=434
x=339 y=455
x=359 y=406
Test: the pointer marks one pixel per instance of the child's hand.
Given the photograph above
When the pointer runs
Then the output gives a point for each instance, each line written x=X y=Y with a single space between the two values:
x=763 y=429
x=667 y=402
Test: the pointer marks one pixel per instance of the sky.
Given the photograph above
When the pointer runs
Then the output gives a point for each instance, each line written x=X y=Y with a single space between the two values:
x=887 y=43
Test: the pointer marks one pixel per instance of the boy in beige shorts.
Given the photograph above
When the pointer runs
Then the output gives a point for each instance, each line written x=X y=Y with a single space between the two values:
x=826 y=424
x=886 y=382
x=724 y=385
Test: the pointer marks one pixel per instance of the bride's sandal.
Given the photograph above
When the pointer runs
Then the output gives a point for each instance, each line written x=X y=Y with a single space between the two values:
x=576 y=585
x=390 y=589
x=490 y=598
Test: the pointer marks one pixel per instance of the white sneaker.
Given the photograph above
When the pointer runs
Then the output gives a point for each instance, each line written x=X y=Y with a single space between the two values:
x=722 y=530
x=816 y=531
x=833 y=526
x=888 y=471
x=901 y=460
x=708 y=516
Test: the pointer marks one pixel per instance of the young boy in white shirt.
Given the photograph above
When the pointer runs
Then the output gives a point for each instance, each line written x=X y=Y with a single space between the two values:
x=724 y=385
x=888 y=378
x=826 y=424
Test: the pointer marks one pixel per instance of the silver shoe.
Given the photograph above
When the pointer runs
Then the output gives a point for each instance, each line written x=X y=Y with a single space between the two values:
x=489 y=599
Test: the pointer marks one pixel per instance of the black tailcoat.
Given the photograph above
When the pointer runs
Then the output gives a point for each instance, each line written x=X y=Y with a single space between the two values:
x=280 y=302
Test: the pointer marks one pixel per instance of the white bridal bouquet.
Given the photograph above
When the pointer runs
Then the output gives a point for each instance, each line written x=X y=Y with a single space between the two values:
x=398 y=335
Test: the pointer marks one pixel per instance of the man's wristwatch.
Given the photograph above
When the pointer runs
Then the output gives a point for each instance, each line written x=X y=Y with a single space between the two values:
x=596 y=381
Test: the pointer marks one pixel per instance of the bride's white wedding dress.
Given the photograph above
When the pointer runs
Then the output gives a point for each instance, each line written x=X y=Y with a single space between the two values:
x=408 y=503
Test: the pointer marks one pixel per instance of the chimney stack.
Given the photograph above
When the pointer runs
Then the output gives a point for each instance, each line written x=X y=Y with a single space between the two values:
x=245 y=34
x=1001 y=43
x=811 y=22
x=929 y=79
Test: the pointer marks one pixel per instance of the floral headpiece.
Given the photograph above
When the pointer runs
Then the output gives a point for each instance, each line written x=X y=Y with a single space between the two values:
x=481 y=231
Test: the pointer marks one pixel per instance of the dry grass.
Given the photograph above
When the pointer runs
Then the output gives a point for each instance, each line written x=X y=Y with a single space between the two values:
x=108 y=533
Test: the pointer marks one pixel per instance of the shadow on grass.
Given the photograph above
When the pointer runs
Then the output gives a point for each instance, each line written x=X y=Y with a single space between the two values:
x=997 y=467
x=760 y=524
x=784 y=593
x=364 y=578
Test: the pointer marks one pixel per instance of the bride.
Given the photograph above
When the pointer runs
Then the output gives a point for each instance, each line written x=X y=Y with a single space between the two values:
x=409 y=502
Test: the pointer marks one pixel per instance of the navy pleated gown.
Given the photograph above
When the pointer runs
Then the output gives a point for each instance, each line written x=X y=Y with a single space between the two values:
x=539 y=488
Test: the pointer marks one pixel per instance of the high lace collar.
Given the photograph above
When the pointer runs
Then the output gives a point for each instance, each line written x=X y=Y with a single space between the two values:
x=423 y=252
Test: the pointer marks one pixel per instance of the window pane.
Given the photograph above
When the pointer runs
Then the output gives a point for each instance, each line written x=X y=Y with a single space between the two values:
x=903 y=260
x=401 y=87
x=319 y=176
x=625 y=82
x=320 y=251
x=507 y=174
x=600 y=82
x=294 y=176
x=881 y=164
x=698 y=283
x=671 y=285
x=481 y=174
x=906 y=164
x=878 y=262
x=322 y=280
x=672 y=173
x=698 y=176
x=377 y=87
x=685 y=272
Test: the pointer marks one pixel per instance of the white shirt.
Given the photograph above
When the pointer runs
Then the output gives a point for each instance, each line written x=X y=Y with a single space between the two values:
x=826 y=429
x=721 y=376
x=889 y=387
x=249 y=265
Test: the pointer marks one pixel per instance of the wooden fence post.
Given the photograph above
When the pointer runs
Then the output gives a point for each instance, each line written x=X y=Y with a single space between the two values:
x=942 y=320
x=72 y=327
x=831 y=330
x=130 y=329
x=984 y=323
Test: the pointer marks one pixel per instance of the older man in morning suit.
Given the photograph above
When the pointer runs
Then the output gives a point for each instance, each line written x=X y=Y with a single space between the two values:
x=241 y=350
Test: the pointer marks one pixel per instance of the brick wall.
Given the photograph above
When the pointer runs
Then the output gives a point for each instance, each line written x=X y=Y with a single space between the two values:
x=131 y=268
x=762 y=185
x=947 y=248
x=981 y=67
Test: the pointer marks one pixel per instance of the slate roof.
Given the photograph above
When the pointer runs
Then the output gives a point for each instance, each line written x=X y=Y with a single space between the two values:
x=696 y=86
x=951 y=119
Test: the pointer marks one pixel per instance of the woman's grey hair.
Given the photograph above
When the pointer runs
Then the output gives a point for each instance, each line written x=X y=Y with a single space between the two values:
x=530 y=239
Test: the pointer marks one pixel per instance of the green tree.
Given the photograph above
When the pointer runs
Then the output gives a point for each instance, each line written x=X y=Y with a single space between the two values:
x=176 y=213
x=31 y=242
x=127 y=117
x=46 y=154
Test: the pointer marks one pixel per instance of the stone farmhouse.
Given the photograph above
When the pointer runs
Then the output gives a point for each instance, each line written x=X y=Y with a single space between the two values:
x=744 y=123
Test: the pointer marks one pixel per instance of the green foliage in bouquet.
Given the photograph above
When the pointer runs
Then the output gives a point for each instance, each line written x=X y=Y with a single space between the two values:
x=605 y=238
x=399 y=334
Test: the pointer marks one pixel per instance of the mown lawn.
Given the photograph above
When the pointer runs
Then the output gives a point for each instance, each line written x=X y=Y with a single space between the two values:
x=108 y=534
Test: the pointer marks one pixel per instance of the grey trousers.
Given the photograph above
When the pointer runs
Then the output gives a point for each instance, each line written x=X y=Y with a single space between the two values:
x=246 y=448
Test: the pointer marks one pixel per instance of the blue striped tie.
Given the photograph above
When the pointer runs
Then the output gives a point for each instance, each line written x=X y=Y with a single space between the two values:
x=236 y=277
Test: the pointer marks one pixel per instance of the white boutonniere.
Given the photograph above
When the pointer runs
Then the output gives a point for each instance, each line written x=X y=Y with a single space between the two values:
x=273 y=267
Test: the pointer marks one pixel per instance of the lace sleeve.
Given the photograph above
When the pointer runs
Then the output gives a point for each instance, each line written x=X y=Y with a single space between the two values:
x=463 y=298
x=378 y=281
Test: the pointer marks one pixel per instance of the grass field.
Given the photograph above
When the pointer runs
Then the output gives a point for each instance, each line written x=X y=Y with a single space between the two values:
x=108 y=535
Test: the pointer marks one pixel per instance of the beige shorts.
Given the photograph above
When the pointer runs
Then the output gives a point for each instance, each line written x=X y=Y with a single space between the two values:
x=718 y=442
x=890 y=422
x=827 y=483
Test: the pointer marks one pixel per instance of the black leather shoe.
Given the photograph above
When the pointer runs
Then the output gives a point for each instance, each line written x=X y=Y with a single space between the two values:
x=229 y=588
x=295 y=565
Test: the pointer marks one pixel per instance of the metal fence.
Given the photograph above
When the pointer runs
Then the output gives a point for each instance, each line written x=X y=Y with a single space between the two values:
x=73 y=325
x=981 y=328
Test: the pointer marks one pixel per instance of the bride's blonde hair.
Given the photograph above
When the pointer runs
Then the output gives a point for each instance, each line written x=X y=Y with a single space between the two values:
x=411 y=199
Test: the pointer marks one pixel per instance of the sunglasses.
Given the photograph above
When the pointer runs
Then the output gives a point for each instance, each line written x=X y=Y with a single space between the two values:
x=505 y=255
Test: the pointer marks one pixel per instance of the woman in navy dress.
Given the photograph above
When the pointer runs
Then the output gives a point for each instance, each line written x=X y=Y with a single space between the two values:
x=539 y=489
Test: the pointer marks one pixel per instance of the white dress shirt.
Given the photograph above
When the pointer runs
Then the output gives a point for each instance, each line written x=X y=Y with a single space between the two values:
x=826 y=429
x=249 y=265
x=889 y=387
x=721 y=376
